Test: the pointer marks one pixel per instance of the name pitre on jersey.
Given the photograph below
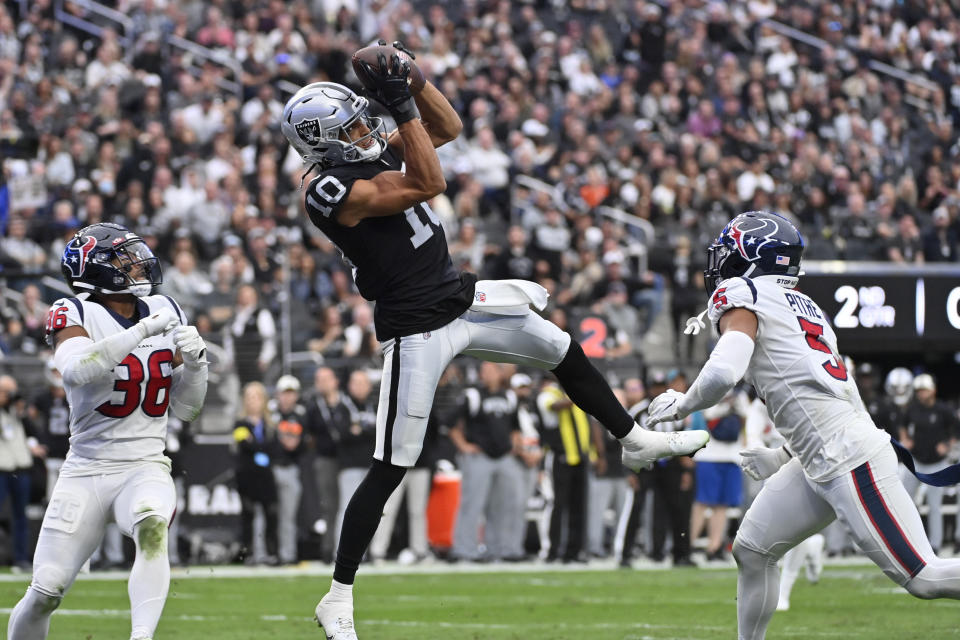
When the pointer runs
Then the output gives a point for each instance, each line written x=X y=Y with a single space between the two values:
x=122 y=417
x=399 y=261
x=797 y=370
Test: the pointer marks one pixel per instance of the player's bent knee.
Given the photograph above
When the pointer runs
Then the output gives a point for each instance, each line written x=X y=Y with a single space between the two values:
x=151 y=533
x=43 y=604
x=747 y=557
x=48 y=587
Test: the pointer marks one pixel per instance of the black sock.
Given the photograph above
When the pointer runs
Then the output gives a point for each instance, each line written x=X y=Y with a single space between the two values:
x=362 y=517
x=589 y=390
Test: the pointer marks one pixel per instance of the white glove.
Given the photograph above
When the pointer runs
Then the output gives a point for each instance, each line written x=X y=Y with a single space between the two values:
x=761 y=462
x=695 y=324
x=664 y=408
x=160 y=322
x=191 y=345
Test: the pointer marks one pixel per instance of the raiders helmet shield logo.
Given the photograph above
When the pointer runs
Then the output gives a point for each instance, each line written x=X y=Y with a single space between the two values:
x=309 y=131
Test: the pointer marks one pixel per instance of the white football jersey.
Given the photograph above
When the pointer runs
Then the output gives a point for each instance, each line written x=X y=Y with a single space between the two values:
x=123 y=417
x=797 y=370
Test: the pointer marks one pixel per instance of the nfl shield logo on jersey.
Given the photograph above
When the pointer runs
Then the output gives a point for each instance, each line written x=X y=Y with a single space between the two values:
x=480 y=296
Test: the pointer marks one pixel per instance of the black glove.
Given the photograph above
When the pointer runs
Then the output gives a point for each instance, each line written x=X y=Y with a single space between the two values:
x=392 y=89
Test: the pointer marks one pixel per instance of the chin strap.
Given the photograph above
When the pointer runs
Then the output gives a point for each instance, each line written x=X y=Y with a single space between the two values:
x=304 y=176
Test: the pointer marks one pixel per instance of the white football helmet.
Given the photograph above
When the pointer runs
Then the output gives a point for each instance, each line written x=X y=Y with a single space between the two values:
x=316 y=121
x=899 y=385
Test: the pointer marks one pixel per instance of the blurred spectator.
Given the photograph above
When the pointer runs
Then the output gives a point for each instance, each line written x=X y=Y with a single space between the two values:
x=528 y=457
x=719 y=480
x=608 y=490
x=940 y=239
x=931 y=431
x=567 y=433
x=18 y=446
x=673 y=487
x=360 y=339
x=331 y=339
x=186 y=284
x=289 y=416
x=686 y=291
x=16 y=244
x=907 y=245
x=356 y=439
x=486 y=436
x=253 y=434
x=251 y=336
x=326 y=416
x=50 y=413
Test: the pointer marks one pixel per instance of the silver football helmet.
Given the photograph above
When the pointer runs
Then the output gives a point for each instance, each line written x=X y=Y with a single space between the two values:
x=899 y=385
x=316 y=122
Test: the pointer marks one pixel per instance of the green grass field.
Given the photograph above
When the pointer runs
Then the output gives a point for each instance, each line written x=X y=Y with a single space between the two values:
x=205 y=604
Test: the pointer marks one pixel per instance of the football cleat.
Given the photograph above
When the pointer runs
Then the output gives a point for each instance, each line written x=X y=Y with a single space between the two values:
x=336 y=618
x=783 y=605
x=641 y=447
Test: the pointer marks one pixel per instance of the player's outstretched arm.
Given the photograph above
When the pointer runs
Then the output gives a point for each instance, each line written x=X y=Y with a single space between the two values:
x=81 y=360
x=726 y=366
x=439 y=118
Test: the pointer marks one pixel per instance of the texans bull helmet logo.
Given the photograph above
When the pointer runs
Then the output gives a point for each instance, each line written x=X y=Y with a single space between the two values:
x=752 y=235
x=75 y=255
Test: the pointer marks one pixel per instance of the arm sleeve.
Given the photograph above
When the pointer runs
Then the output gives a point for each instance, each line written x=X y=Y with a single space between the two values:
x=726 y=366
x=81 y=360
x=188 y=391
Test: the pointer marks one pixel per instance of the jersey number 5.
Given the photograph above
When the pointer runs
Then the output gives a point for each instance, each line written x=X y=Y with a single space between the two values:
x=160 y=380
x=813 y=332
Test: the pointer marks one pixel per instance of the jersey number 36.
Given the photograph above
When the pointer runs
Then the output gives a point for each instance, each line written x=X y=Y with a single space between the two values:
x=156 y=395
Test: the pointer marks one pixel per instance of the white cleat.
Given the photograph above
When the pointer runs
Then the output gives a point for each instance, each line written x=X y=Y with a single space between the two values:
x=783 y=605
x=336 y=618
x=641 y=447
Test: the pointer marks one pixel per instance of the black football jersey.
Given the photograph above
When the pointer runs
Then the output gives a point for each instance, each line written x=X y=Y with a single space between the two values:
x=401 y=261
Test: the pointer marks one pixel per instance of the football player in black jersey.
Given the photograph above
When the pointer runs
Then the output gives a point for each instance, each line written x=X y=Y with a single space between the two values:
x=371 y=199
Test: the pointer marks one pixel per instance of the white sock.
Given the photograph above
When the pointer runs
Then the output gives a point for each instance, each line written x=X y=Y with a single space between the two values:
x=30 y=619
x=341 y=592
x=148 y=587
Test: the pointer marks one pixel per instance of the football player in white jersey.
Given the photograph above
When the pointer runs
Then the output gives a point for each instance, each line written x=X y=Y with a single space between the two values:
x=126 y=358
x=836 y=463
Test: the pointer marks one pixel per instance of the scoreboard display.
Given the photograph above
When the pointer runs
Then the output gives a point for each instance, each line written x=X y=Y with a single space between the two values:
x=882 y=307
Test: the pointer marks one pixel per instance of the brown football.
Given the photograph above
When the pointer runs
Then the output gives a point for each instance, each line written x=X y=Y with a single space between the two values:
x=369 y=55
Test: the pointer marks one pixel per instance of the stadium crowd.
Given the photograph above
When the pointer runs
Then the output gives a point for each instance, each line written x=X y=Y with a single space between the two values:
x=605 y=143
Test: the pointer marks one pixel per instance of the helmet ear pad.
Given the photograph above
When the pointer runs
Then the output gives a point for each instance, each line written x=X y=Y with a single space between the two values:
x=734 y=265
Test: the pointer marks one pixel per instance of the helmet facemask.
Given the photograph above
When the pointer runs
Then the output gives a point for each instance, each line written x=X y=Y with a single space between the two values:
x=139 y=266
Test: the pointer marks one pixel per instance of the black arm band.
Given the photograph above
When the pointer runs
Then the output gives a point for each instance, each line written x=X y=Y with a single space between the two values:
x=404 y=111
